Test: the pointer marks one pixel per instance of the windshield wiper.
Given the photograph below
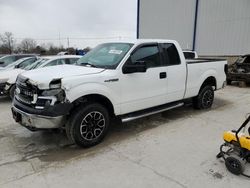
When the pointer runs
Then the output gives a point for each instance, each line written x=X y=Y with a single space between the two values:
x=91 y=65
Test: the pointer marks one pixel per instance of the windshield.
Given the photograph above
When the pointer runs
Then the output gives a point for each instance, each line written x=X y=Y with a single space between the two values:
x=14 y=64
x=106 y=55
x=35 y=64
x=7 y=60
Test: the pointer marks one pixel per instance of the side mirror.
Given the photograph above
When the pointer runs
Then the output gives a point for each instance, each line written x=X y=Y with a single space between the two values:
x=138 y=66
x=1 y=62
x=16 y=66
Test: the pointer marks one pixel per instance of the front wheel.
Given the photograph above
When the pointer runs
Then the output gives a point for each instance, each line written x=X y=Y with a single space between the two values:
x=88 y=125
x=205 y=98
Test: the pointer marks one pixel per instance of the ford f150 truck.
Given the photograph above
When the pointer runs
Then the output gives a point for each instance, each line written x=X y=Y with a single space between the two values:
x=128 y=80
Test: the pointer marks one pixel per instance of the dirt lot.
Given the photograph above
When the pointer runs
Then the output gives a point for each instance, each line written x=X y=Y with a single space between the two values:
x=173 y=149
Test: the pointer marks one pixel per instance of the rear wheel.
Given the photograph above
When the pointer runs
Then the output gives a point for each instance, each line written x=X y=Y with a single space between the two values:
x=205 y=98
x=88 y=125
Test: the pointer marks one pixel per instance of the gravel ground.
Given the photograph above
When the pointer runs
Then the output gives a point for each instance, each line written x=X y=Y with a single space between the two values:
x=176 y=148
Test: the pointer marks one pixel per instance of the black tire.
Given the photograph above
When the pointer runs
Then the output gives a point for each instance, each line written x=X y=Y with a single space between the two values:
x=88 y=125
x=12 y=91
x=234 y=165
x=205 y=98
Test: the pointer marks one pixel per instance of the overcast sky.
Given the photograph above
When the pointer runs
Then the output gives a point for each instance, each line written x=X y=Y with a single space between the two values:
x=54 y=19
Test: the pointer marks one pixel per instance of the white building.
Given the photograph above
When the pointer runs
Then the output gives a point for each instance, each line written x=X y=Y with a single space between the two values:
x=211 y=27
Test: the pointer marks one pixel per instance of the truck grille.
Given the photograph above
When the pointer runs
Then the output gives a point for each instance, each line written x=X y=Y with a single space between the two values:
x=24 y=91
x=23 y=99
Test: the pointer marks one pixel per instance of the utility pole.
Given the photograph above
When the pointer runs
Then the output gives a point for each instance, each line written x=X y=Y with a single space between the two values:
x=68 y=42
x=59 y=38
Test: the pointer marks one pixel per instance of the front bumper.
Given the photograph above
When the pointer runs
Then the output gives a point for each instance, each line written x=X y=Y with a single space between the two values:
x=34 y=121
x=48 y=118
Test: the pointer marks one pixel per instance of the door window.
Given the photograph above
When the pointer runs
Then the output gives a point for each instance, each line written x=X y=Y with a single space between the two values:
x=56 y=62
x=148 y=54
x=72 y=61
x=27 y=62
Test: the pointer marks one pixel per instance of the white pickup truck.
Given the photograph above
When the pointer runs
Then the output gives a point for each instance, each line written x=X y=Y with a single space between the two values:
x=128 y=80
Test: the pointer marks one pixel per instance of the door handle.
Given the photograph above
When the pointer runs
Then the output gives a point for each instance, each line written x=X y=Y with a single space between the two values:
x=163 y=75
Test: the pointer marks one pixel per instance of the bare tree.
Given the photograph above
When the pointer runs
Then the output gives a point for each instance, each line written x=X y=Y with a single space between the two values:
x=7 y=40
x=28 y=45
x=87 y=49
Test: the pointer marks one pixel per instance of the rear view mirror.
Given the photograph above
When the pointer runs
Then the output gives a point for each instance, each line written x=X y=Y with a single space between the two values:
x=138 y=66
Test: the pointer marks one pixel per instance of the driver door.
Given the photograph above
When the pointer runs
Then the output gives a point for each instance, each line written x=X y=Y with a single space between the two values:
x=141 y=90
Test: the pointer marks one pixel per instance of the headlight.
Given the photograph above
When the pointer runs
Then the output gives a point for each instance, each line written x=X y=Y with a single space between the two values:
x=58 y=93
x=50 y=98
x=55 y=84
x=52 y=92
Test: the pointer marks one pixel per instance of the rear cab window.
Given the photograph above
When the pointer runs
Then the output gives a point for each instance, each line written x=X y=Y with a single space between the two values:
x=171 y=55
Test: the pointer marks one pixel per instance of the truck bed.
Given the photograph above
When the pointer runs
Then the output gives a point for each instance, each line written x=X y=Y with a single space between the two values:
x=203 y=68
x=203 y=60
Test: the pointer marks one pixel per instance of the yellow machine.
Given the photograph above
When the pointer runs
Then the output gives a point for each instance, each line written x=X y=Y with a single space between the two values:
x=244 y=140
x=236 y=149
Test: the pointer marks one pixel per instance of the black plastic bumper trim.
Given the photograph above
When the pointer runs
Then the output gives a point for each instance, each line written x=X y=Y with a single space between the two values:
x=52 y=111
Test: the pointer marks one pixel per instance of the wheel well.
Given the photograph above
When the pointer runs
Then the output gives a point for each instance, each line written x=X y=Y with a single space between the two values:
x=95 y=98
x=211 y=81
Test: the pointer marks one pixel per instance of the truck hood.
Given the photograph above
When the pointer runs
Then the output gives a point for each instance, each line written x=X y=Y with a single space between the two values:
x=42 y=77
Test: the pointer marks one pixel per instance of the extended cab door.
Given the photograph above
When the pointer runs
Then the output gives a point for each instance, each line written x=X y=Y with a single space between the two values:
x=141 y=90
x=176 y=72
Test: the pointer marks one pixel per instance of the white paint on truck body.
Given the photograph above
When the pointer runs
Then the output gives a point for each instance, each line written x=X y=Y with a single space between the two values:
x=135 y=91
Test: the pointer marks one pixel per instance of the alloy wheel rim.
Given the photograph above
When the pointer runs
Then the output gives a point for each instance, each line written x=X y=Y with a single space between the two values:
x=92 y=125
x=207 y=98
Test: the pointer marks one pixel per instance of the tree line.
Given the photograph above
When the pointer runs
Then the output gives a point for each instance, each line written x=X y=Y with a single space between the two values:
x=8 y=45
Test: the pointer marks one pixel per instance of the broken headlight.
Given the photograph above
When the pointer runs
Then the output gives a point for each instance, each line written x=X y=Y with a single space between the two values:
x=50 y=98
x=55 y=84
x=58 y=93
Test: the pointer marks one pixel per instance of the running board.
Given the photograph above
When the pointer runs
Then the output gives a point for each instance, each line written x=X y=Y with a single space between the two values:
x=151 y=111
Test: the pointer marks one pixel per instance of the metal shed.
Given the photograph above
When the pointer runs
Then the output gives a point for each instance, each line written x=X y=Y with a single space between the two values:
x=211 y=27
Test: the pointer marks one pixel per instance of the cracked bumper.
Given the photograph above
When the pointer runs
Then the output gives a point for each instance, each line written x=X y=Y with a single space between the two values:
x=34 y=121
